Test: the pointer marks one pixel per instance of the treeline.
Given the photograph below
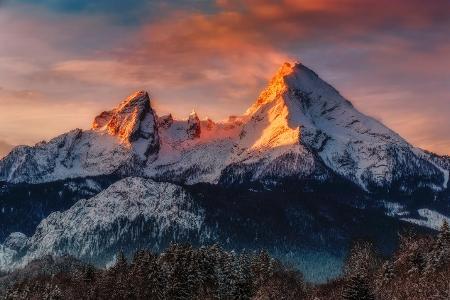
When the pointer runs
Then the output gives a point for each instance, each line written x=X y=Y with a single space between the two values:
x=420 y=269
x=180 y=272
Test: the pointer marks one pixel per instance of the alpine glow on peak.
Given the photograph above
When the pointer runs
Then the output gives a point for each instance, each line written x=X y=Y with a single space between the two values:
x=300 y=127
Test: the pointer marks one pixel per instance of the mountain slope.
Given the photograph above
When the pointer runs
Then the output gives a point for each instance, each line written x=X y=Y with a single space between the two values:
x=291 y=175
x=306 y=228
x=24 y=205
x=120 y=141
x=353 y=145
x=299 y=128
x=131 y=212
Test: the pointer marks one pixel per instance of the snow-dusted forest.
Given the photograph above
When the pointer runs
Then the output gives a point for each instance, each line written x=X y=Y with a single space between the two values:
x=420 y=269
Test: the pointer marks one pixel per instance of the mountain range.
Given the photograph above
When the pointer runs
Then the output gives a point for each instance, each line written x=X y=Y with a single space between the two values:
x=298 y=173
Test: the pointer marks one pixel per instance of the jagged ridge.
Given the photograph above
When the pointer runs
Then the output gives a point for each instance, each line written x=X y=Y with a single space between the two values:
x=299 y=127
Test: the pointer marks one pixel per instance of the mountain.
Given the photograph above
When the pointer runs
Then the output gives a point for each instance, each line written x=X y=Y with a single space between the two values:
x=138 y=213
x=24 y=205
x=301 y=173
x=299 y=128
x=119 y=141
x=129 y=211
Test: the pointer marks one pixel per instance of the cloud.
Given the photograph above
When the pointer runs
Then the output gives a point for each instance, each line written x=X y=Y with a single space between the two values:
x=390 y=58
x=129 y=13
x=29 y=116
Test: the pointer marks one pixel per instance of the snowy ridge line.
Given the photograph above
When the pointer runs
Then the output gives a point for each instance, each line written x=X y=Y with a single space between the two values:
x=444 y=171
x=299 y=127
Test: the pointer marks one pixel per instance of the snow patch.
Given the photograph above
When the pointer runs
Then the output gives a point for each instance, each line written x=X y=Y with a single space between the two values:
x=431 y=219
x=394 y=209
x=298 y=124
x=135 y=210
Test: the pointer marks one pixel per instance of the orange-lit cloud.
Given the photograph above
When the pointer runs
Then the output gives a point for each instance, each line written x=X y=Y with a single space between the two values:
x=390 y=58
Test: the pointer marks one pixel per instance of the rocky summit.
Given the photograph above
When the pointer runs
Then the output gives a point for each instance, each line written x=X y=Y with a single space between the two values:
x=302 y=168
x=299 y=127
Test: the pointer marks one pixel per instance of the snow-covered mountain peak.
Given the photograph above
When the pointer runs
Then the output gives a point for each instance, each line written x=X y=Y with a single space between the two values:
x=305 y=84
x=194 y=127
x=301 y=113
x=299 y=127
x=133 y=121
x=139 y=99
x=120 y=120
x=275 y=88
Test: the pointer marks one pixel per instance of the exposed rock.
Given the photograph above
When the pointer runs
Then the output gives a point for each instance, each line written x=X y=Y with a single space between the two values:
x=131 y=121
x=165 y=121
x=194 y=128
x=299 y=127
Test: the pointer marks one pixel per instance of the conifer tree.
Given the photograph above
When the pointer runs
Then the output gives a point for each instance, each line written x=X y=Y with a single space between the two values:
x=357 y=288
x=244 y=288
x=156 y=280
x=261 y=268
x=360 y=270
x=440 y=255
x=88 y=274
x=177 y=262
x=121 y=263
x=386 y=274
x=138 y=271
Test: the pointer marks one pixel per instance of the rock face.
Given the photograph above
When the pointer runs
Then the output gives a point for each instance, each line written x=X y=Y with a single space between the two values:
x=133 y=211
x=133 y=121
x=165 y=121
x=121 y=141
x=299 y=128
x=351 y=144
x=194 y=128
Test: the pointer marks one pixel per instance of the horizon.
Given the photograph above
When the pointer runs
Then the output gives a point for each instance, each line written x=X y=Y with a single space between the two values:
x=63 y=63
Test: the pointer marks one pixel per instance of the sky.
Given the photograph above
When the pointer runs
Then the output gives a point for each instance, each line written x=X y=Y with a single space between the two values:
x=64 y=61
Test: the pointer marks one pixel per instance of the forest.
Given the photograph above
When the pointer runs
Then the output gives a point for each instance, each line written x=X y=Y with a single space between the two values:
x=419 y=269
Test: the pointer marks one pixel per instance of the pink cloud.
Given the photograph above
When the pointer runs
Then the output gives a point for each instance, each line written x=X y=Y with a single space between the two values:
x=388 y=57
